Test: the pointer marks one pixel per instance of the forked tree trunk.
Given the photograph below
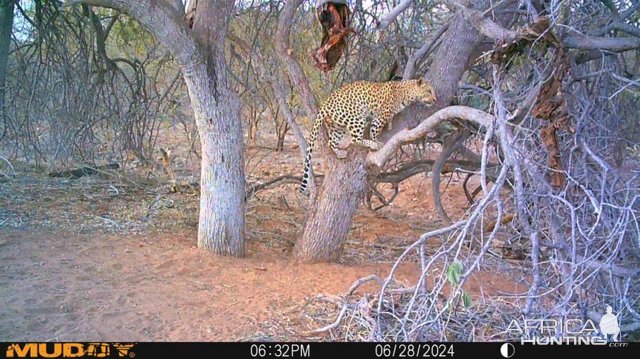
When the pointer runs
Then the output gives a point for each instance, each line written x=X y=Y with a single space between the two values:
x=200 y=54
x=6 y=23
x=345 y=182
x=330 y=219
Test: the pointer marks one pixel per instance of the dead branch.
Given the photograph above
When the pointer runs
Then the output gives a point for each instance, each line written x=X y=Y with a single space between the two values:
x=355 y=285
x=547 y=99
x=333 y=325
x=579 y=41
x=278 y=181
x=551 y=106
x=373 y=191
x=470 y=196
x=450 y=147
x=13 y=171
x=629 y=29
x=614 y=269
x=413 y=168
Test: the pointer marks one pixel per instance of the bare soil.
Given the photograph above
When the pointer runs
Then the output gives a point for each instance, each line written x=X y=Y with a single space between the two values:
x=113 y=258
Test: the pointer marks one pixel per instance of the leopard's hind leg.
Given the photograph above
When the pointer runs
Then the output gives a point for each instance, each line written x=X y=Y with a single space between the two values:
x=335 y=137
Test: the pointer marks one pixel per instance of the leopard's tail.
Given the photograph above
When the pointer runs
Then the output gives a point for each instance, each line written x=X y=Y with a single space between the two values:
x=306 y=175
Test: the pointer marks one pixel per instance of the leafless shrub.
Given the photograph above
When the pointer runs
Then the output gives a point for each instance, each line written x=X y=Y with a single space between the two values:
x=581 y=239
x=86 y=85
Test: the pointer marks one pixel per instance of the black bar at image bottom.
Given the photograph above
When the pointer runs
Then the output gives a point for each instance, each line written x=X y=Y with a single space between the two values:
x=142 y=350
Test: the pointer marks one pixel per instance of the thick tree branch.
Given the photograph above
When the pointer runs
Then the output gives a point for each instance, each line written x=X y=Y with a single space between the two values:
x=483 y=24
x=496 y=32
x=379 y=158
x=613 y=44
x=621 y=26
x=388 y=18
x=410 y=68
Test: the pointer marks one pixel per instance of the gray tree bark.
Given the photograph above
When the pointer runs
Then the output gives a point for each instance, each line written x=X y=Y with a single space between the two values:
x=200 y=54
x=216 y=106
x=6 y=24
x=345 y=183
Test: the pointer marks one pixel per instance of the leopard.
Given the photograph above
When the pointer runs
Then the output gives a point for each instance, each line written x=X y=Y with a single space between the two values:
x=361 y=104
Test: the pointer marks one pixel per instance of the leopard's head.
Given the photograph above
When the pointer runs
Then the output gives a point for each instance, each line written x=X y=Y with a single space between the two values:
x=422 y=90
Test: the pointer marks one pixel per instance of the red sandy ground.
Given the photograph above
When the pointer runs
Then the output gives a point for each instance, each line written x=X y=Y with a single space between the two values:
x=67 y=282
x=65 y=286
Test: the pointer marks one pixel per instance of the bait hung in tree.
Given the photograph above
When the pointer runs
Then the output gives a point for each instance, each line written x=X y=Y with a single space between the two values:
x=334 y=16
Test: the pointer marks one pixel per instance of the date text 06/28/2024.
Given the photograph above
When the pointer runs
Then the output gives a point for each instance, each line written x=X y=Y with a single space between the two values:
x=380 y=350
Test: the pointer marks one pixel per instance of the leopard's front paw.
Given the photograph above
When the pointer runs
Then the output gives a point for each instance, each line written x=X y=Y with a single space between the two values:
x=375 y=145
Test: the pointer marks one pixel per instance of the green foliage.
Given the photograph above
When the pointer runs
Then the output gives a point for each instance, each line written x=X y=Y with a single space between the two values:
x=466 y=299
x=454 y=274
x=454 y=271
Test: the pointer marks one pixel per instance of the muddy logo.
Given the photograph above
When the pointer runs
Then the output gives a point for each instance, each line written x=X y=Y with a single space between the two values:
x=70 y=350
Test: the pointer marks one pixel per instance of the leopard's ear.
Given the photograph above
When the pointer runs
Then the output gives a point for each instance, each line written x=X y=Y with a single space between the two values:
x=420 y=81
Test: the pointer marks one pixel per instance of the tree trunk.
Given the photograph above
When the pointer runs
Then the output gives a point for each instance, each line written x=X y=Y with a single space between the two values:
x=216 y=108
x=345 y=181
x=221 y=221
x=281 y=132
x=6 y=23
x=329 y=220
x=200 y=54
